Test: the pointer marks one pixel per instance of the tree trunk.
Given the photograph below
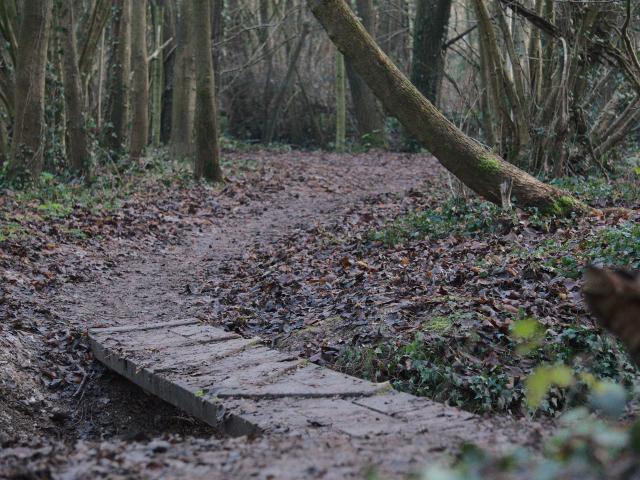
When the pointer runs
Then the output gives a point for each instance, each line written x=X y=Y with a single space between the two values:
x=78 y=151
x=98 y=20
x=27 y=148
x=369 y=117
x=157 y=86
x=183 y=107
x=119 y=86
x=478 y=168
x=140 y=83
x=218 y=26
x=429 y=34
x=279 y=100
x=341 y=104
x=207 y=161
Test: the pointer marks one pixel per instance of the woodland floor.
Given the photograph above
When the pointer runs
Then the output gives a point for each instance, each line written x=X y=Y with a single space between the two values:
x=320 y=254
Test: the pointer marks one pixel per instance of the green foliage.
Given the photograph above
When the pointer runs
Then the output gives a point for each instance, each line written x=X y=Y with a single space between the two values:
x=452 y=218
x=425 y=368
x=573 y=362
x=58 y=196
x=585 y=447
x=617 y=246
x=594 y=190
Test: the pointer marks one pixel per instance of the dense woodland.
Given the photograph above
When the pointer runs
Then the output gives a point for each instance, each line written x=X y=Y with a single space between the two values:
x=439 y=194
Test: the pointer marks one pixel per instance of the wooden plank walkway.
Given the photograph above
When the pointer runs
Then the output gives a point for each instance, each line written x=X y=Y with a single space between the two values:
x=241 y=387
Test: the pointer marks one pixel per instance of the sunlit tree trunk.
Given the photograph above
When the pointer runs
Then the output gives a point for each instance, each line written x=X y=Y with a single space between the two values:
x=78 y=148
x=28 y=125
x=140 y=83
x=207 y=161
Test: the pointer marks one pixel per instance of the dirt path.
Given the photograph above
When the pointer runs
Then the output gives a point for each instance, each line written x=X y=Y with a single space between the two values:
x=168 y=282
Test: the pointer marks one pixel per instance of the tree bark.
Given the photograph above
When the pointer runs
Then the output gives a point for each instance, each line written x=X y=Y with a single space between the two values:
x=429 y=35
x=341 y=103
x=157 y=86
x=478 y=168
x=99 y=18
x=207 y=161
x=27 y=148
x=140 y=83
x=119 y=82
x=279 y=100
x=78 y=146
x=183 y=107
x=369 y=117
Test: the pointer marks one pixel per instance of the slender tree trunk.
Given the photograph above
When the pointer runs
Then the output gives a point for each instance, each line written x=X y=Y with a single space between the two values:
x=341 y=103
x=98 y=20
x=157 y=9
x=369 y=117
x=27 y=149
x=119 y=81
x=183 y=108
x=218 y=26
x=101 y=62
x=207 y=161
x=478 y=168
x=140 y=84
x=78 y=146
x=279 y=100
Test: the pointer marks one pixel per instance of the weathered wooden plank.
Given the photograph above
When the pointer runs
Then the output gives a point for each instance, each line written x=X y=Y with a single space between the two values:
x=240 y=386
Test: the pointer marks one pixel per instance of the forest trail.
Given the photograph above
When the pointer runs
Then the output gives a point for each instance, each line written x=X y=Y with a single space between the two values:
x=155 y=284
x=158 y=283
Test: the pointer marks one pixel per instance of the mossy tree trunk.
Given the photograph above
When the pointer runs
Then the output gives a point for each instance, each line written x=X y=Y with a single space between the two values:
x=78 y=146
x=477 y=167
x=27 y=148
x=140 y=83
x=207 y=161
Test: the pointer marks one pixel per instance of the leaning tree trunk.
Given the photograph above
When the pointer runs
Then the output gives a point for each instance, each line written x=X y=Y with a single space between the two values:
x=369 y=117
x=477 y=167
x=119 y=83
x=207 y=161
x=140 y=84
x=78 y=150
x=27 y=148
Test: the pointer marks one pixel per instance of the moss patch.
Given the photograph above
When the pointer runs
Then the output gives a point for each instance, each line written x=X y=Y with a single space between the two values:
x=562 y=207
x=489 y=165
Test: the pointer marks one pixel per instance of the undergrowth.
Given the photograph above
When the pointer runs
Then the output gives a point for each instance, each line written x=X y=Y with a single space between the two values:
x=467 y=371
x=57 y=197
